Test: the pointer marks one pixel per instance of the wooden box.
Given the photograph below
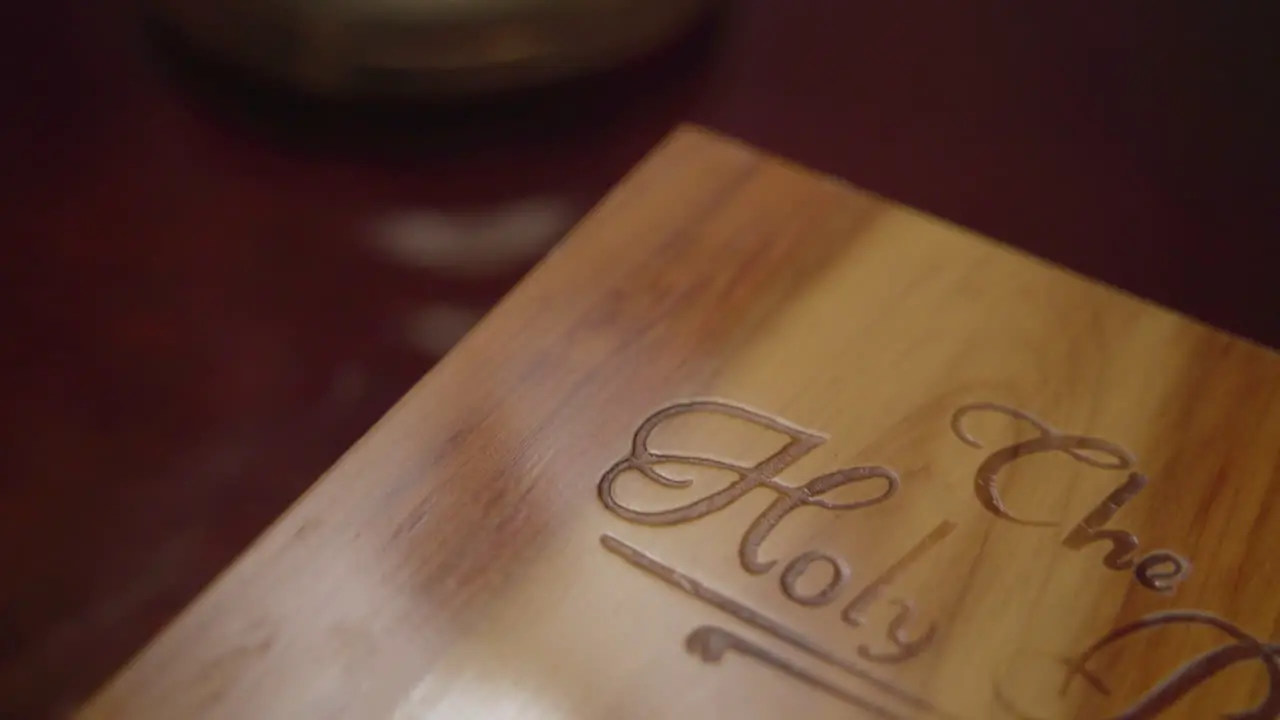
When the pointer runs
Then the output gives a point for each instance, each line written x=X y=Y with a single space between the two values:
x=754 y=444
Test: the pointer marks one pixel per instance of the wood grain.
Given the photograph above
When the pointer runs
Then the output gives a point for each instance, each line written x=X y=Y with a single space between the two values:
x=874 y=482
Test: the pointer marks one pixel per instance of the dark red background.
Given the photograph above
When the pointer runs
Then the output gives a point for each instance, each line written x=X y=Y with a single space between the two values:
x=196 y=327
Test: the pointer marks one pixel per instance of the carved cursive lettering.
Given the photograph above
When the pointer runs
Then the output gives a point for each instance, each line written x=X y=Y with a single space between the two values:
x=764 y=475
x=703 y=592
x=1050 y=440
x=853 y=613
x=1243 y=648
x=907 y=648
x=1124 y=544
x=796 y=570
x=1161 y=570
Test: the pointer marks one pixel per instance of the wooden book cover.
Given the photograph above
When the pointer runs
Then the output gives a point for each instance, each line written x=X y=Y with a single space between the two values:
x=754 y=444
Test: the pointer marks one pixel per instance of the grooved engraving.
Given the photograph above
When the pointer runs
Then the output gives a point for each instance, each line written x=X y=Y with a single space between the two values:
x=1201 y=669
x=853 y=612
x=1158 y=570
x=712 y=643
x=907 y=648
x=796 y=570
x=764 y=475
x=1050 y=440
x=1149 y=576
x=697 y=589
x=1124 y=544
x=1161 y=570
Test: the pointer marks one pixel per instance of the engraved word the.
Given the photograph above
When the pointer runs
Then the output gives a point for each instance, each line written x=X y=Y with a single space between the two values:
x=1159 y=570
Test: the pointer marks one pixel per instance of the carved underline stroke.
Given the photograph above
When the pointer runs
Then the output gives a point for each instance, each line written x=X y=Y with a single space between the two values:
x=691 y=586
x=712 y=642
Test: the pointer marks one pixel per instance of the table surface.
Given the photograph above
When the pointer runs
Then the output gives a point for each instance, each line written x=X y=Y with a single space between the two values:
x=855 y=459
x=207 y=304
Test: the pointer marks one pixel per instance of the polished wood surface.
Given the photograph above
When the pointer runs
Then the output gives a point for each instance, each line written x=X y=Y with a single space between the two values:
x=908 y=472
x=209 y=293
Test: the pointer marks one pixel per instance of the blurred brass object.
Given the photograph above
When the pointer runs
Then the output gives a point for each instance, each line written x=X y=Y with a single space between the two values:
x=336 y=47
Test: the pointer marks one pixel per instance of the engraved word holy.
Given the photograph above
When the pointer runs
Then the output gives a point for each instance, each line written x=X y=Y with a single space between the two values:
x=800 y=442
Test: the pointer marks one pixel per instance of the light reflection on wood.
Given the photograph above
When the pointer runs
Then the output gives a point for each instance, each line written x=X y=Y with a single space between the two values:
x=711 y=643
